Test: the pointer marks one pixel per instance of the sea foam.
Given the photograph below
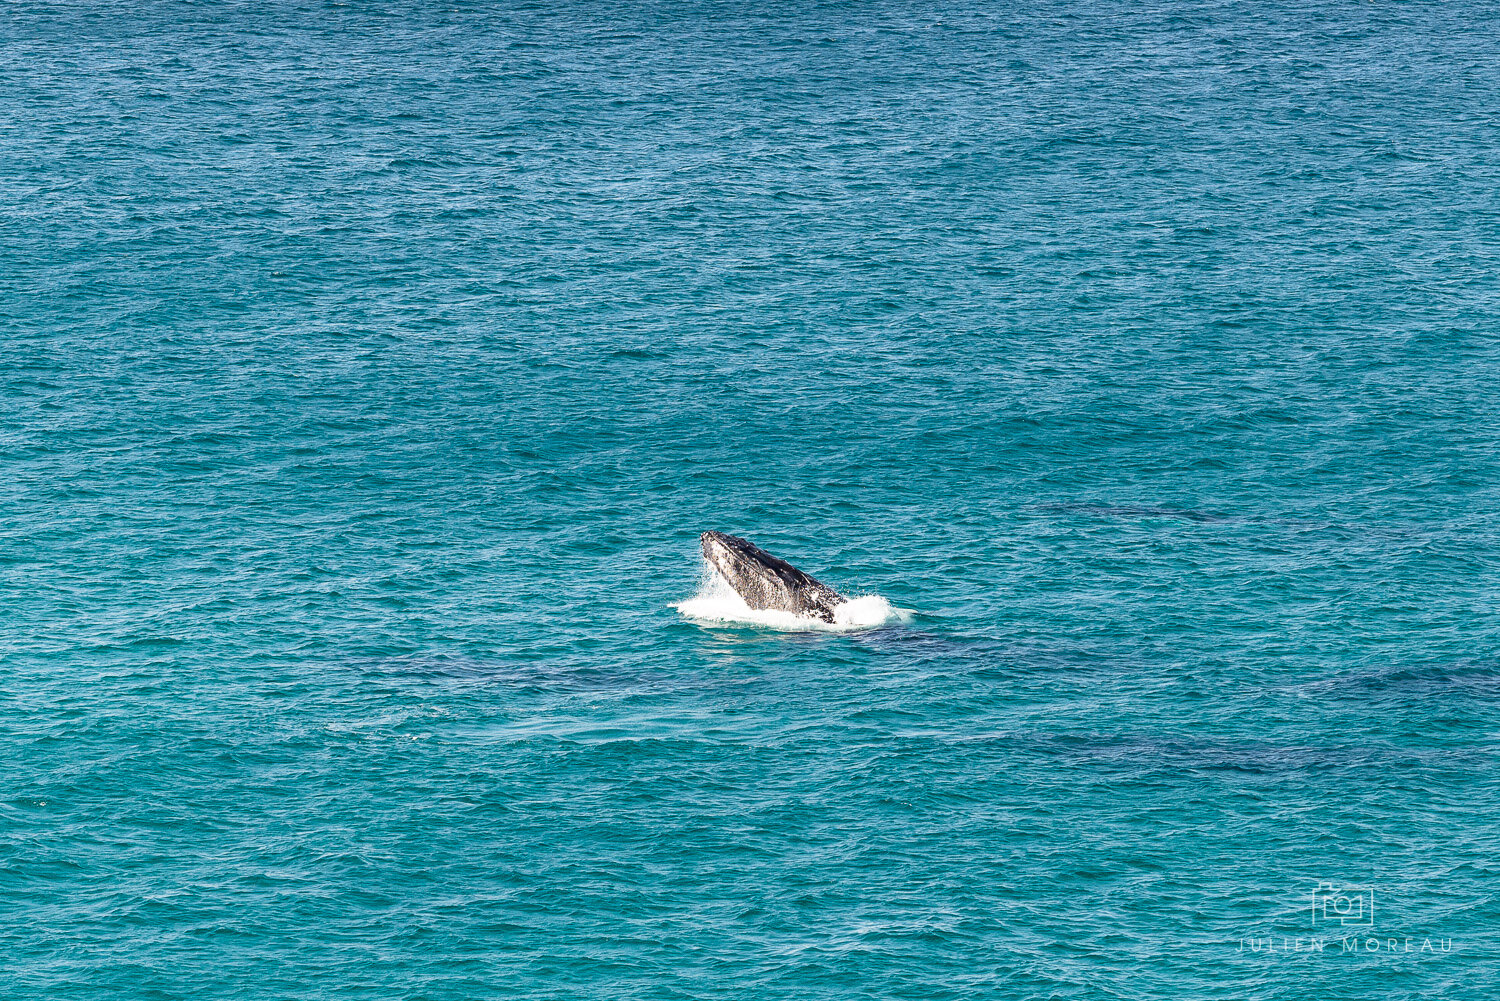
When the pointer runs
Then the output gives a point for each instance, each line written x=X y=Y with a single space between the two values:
x=717 y=601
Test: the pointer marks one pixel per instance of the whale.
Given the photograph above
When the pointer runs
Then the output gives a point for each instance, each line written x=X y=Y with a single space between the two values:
x=765 y=582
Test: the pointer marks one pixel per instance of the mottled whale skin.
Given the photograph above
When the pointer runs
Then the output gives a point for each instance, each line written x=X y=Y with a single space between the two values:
x=766 y=582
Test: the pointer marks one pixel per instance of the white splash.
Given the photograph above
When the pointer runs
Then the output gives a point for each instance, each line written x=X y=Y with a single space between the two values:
x=716 y=601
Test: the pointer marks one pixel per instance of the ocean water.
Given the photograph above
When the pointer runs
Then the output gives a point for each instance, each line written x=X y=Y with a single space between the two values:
x=367 y=373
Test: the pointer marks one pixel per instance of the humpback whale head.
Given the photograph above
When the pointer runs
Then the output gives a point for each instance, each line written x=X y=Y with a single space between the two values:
x=763 y=581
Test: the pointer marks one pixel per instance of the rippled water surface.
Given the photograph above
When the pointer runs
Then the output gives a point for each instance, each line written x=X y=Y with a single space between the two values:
x=367 y=374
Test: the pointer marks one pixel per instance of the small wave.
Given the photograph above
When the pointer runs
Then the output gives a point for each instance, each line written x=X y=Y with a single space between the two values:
x=716 y=601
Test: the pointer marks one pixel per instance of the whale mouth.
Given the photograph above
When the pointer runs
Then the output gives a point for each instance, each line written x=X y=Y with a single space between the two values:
x=765 y=581
x=745 y=585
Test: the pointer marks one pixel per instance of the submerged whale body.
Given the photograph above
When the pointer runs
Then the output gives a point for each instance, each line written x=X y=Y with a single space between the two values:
x=763 y=581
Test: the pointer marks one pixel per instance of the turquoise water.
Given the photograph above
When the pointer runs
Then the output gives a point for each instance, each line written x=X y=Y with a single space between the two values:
x=368 y=373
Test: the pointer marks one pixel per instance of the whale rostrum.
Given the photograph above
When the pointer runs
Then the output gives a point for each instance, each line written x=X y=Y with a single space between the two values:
x=765 y=582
